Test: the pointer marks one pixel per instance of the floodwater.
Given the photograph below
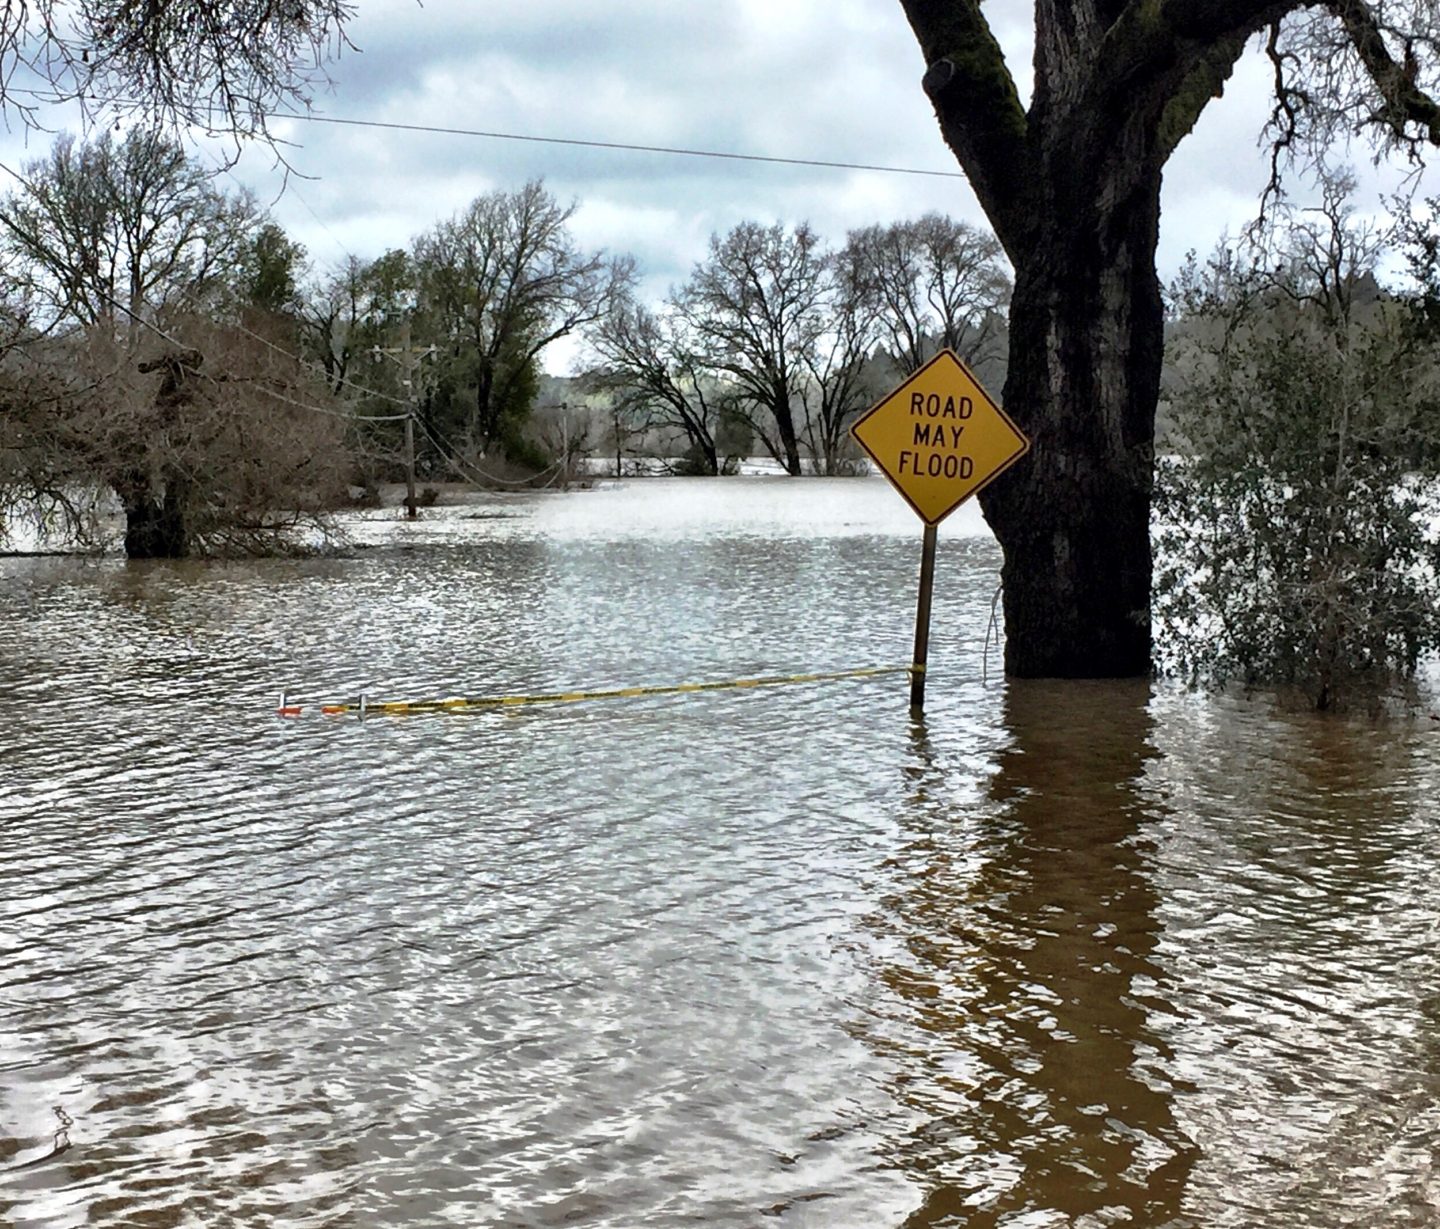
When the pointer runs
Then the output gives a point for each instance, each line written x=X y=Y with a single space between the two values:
x=1072 y=955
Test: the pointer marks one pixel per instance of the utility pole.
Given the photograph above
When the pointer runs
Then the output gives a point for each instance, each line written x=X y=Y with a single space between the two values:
x=565 y=445
x=410 y=511
x=408 y=357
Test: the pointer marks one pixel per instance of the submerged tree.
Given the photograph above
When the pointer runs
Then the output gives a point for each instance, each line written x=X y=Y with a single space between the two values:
x=646 y=362
x=41 y=485
x=220 y=444
x=131 y=261
x=1071 y=184
x=755 y=307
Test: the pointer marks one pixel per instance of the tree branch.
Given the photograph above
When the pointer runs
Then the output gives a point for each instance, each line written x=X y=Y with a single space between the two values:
x=1204 y=82
x=1403 y=101
x=979 y=109
x=1206 y=21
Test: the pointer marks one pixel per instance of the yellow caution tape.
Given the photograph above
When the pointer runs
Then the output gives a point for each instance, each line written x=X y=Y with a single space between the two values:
x=454 y=703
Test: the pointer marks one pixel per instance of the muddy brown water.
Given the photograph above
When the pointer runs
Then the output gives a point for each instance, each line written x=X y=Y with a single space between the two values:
x=1081 y=955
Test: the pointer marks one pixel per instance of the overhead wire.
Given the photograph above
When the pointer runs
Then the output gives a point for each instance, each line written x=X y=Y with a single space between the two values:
x=348 y=416
x=310 y=364
x=625 y=146
x=532 y=138
x=314 y=367
x=451 y=454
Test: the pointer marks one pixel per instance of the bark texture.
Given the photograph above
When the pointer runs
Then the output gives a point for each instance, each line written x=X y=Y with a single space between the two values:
x=1072 y=187
x=155 y=498
x=154 y=522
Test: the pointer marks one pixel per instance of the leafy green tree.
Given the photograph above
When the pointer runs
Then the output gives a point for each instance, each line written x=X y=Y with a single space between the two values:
x=1298 y=534
x=271 y=266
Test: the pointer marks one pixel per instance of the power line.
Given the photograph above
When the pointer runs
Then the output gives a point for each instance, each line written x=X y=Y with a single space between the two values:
x=474 y=471
x=495 y=135
x=327 y=377
x=677 y=151
x=348 y=416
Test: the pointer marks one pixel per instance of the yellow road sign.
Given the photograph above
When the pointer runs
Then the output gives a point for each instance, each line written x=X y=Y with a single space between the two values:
x=940 y=438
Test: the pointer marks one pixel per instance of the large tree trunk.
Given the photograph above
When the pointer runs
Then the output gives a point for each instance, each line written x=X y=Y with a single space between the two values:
x=155 y=499
x=789 y=442
x=154 y=522
x=1073 y=518
x=1072 y=186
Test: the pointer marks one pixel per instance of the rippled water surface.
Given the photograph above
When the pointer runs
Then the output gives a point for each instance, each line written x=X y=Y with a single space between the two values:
x=1058 y=955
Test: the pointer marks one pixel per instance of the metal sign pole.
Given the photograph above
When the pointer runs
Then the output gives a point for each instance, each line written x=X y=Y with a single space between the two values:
x=922 y=622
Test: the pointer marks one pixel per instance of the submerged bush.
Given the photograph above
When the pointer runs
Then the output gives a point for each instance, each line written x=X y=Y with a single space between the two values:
x=1298 y=499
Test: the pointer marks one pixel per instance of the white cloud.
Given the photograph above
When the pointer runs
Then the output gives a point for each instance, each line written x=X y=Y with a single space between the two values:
x=834 y=80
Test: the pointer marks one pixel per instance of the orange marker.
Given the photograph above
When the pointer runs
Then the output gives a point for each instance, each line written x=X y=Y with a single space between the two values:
x=287 y=709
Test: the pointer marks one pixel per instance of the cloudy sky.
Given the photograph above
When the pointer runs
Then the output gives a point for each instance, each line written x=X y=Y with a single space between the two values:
x=835 y=80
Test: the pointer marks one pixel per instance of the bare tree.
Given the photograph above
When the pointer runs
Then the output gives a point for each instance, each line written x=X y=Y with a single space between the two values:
x=42 y=483
x=648 y=366
x=214 y=442
x=359 y=305
x=499 y=283
x=114 y=232
x=839 y=386
x=937 y=283
x=755 y=307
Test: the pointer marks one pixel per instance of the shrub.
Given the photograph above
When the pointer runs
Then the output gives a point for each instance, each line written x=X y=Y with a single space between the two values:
x=1297 y=499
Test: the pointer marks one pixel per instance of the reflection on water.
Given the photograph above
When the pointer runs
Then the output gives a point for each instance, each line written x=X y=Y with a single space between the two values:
x=1022 y=930
x=1060 y=955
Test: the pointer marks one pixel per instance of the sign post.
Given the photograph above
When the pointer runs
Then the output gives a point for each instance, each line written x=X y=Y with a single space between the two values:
x=940 y=439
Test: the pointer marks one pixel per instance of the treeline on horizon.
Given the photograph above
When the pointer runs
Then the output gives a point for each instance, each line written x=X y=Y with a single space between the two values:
x=163 y=339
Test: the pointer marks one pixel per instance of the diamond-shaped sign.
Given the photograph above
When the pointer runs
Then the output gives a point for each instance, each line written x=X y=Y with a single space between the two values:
x=940 y=438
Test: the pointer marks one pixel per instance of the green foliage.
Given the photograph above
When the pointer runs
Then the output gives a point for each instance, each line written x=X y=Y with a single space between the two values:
x=270 y=269
x=1297 y=499
x=523 y=451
